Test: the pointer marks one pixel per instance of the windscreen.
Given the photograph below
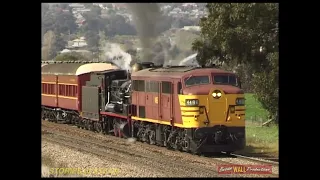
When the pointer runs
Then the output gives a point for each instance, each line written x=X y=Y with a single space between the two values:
x=225 y=79
x=196 y=80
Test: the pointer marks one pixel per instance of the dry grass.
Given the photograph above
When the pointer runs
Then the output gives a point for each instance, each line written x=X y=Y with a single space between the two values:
x=261 y=141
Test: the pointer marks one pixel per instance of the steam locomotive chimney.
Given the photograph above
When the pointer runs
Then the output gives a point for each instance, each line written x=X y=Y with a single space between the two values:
x=142 y=65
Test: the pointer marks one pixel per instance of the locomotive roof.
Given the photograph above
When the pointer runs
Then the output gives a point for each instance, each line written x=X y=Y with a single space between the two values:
x=175 y=72
x=75 y=68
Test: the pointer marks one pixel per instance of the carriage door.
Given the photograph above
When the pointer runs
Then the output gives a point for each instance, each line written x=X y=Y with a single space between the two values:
x=166 y=100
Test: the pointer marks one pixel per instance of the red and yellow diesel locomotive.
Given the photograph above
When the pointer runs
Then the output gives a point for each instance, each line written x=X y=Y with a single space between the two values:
x=184 y=108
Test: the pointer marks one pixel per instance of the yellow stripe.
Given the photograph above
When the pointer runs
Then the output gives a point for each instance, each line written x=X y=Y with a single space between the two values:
x=66 y=97
x=45 y=82
x=49 y=95
x=68 y=84
x=183 y=108
x=156 y=121
x=186 y=113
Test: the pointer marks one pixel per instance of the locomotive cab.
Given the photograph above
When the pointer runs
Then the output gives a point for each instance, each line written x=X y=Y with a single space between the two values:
x=214 y=104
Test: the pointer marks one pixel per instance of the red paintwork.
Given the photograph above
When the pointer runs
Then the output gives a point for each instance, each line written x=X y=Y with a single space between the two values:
x=68 y=103
x=168 y=106
x=48 y=101
x=65 y=103
x=113 y=114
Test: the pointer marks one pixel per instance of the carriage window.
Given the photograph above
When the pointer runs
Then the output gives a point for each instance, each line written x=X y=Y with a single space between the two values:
x=45 y=88
x=42 y=88
x=76 y=91
x=225 y=79
x=166 y=87
x=61 y=89
x=196 y=80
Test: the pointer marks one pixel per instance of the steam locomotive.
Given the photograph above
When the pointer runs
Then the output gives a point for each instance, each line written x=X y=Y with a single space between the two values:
x=192 y=109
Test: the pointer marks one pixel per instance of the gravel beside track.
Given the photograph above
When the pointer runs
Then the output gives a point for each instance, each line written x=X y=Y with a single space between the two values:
x=132 y=159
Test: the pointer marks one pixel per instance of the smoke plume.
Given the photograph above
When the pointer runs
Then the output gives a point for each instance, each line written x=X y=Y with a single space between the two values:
x=145 y=17
x=113 y=53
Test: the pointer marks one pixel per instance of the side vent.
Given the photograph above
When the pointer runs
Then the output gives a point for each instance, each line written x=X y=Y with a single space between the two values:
x=142 y=112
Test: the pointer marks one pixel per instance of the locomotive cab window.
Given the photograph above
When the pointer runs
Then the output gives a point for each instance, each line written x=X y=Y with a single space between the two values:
x=225 y=79
x=196 y=80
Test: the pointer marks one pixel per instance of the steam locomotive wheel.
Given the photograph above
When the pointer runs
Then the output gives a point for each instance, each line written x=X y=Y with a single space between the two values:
x=98 y=127
x=86 y=124
x=119 y=133
x=115 y=130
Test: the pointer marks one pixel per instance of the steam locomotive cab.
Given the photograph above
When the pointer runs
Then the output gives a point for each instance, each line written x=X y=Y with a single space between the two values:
x=119 y=96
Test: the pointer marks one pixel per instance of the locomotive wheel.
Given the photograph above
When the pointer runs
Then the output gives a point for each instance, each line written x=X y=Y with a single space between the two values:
x=98 y=127
x=90 y=126
x=42 y=115
x=119 y=133
x=86 y=125
x=115 y=131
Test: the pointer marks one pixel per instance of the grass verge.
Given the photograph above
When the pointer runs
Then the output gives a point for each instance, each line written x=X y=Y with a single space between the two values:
x=260 y=141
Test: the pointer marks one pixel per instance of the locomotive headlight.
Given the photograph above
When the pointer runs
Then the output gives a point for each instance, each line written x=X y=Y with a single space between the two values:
x=217 y=94
x=192 y=102
x=240 y=101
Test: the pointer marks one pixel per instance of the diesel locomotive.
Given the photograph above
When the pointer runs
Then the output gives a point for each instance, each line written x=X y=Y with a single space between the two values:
x=192 y=109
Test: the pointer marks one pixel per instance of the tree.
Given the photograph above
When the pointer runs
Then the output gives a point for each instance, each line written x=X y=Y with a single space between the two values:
x=58 y=21
x=246 y=34
x=48 y=45
x=73 y=56
x=64 y=5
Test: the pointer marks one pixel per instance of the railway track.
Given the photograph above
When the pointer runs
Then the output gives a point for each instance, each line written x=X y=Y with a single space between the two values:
x=254 y=159
x=140 y=153
x=120 y=154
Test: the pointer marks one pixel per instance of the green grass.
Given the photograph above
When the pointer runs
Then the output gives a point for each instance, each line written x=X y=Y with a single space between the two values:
x=260 y=141
x=254 y=110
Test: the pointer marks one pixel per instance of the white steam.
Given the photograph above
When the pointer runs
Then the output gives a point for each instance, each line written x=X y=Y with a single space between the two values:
x=113 y=53
x=189 y=61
